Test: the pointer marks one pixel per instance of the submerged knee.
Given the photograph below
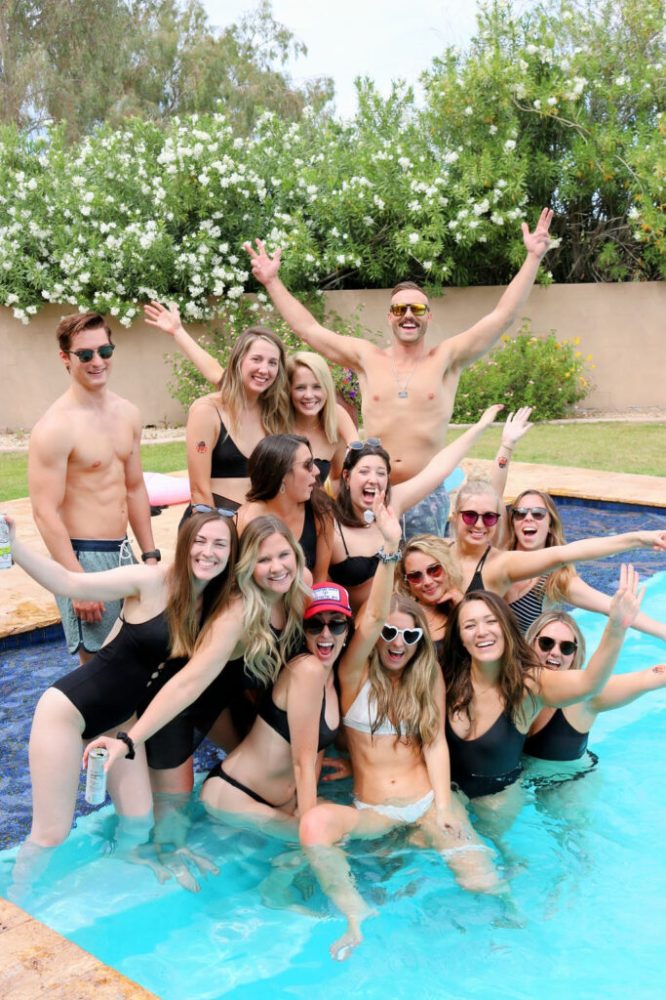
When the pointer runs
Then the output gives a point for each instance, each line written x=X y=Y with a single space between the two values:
x=314 y=828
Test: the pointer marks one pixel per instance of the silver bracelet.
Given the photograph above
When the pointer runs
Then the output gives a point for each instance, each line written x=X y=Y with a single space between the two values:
x=388 y=557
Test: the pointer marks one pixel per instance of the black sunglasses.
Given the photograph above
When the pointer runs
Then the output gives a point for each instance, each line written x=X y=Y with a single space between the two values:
x=86 y=354
x=538 y=513
x=315 y=626
x=567 y=647
x=203 y=508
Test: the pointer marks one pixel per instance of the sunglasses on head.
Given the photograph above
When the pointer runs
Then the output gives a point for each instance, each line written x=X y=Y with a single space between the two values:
x=538 y=513
x=567 y=647
x=86 y=354
x=470 y=517
x=360 y=445
x=410 y=636
x=417 y=309
x=315 y=626
x=435 y=572
x=203 y=508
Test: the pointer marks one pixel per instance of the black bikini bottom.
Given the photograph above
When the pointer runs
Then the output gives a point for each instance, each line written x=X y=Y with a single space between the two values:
x=217 y=772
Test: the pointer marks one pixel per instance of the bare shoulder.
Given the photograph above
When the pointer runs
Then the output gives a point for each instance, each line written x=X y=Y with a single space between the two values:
x=56 y=428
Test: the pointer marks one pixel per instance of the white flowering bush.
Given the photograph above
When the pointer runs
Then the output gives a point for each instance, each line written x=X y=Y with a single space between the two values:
x=562 y=105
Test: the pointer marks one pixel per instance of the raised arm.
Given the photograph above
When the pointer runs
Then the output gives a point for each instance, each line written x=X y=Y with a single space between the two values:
x=138 y=504
x=509 y=567
x=582 y=595
x=405 y=495
x=373 y=614
x=438 y=764
x=558 y=688
x=109 y=585
x=185 y=686
x=517 y=424
x=473 y=343
x=623 y=690
x=168 y=320
x=349 y=351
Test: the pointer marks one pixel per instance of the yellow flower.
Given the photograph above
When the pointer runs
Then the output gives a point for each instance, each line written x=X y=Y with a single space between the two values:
x=577 y=354
x=576 y=341
x=505 y=338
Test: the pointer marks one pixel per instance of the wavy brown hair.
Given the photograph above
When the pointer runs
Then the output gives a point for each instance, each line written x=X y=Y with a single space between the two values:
x=409 y=702
x=273 y=402
x=188 y=625
x=557 y=584
x=519 y=661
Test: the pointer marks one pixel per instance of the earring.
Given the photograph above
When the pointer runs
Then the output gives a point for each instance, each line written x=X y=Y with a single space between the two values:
x=282 y=487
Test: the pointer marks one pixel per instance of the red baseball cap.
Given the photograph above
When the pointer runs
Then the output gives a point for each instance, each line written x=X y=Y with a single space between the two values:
x=328 y=597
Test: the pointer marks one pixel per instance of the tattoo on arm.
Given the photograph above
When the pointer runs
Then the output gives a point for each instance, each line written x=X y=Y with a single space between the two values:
x=202 y=447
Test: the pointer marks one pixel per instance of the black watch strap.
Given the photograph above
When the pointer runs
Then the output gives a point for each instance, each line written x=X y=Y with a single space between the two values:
x=153 y=554
x=129 y=743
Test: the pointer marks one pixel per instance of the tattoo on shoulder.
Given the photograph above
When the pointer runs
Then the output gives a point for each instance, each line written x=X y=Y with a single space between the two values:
x=202 y=447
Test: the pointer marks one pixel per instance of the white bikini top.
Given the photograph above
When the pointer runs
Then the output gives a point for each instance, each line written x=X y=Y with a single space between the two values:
x=361 y=716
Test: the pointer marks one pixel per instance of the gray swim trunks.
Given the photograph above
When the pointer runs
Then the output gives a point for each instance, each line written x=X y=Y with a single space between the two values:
x=94 y=556
x=430 y=516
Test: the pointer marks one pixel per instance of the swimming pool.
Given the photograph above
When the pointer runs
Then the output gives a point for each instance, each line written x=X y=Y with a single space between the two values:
x=587 y=870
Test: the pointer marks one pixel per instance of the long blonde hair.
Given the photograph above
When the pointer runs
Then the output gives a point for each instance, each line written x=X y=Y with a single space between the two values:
x=188 y=624
x=328 y=417
x=274 y=401
x=409 y=703
x=557 y=584
x=264 y=654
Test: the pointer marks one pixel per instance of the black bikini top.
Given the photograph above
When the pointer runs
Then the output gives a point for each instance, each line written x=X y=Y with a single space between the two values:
x=490 y=762
x=324 y=466
x=308 y=539
x=354 y=570
x=277 y=720
x=477 y=580
x=227 y=460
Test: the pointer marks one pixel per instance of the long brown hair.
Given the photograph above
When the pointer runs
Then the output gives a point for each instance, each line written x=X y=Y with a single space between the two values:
x=557 y=584
x=274 y=401
x=519 y=661
x=270 y=461
x=409 y=702
x=188 y=624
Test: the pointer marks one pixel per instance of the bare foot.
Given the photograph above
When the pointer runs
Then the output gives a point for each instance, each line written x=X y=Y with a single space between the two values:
x=341 y=949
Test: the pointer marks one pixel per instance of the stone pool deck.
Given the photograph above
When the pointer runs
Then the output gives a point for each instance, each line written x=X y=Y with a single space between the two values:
x=24 y=605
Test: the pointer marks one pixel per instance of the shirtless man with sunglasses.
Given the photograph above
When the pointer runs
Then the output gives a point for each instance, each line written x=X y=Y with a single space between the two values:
x=85 y=477
x=408 y=389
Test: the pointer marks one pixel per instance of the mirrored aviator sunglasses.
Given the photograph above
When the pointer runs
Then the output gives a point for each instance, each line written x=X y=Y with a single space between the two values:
x=203 y=508
x=417 y=309
x=410 y=636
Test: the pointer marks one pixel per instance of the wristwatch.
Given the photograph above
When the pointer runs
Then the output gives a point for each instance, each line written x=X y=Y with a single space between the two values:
x=153 y=554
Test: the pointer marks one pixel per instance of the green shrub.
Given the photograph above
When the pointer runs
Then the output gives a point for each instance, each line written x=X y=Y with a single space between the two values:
x=541 y=372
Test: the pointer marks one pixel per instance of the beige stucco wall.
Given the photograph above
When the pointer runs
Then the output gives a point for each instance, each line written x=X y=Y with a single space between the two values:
x=622 y=326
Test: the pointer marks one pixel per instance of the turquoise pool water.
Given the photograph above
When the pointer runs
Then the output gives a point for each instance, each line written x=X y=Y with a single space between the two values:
x=586 y=861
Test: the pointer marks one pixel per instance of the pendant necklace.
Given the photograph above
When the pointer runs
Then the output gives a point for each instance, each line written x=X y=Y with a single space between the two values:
x=402 y=381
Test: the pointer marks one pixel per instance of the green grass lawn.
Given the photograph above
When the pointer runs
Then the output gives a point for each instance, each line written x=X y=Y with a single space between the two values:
x=612 y=447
